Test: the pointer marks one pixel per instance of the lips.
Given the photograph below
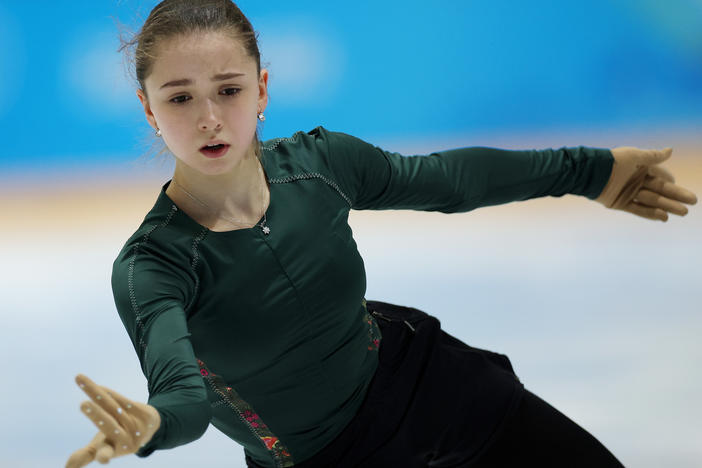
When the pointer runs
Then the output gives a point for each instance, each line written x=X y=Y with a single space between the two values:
x=214 y=142
x=214 y=151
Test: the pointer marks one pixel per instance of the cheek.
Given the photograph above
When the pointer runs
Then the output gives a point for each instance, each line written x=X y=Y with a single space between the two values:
x=177 y=132
x=241 y=112
x=243 y=120
x=173 y=120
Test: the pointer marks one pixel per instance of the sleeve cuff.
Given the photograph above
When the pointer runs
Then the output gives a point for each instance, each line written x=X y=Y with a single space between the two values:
x=180 y=424
x=156 y=439
x=603 y=163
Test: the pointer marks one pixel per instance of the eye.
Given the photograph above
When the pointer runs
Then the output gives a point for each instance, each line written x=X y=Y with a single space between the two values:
x=234 y=91
x=182 y=99
x=174 y=101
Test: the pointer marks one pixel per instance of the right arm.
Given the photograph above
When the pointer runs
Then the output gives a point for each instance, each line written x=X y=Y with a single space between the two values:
x=176 y=388
x=149 y=296
x=150 y=300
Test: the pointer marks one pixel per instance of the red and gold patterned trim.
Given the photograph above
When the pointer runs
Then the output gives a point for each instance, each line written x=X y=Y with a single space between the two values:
x=373 y=330
x=278 y=451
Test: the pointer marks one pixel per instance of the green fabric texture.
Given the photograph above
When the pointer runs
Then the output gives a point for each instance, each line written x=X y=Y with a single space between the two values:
x=267 y=336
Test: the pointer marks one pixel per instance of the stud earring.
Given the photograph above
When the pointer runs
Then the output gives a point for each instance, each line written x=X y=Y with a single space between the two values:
x=158 y=132
x=261 y=117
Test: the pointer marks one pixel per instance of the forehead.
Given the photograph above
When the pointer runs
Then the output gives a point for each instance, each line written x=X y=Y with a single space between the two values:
x=196 y=54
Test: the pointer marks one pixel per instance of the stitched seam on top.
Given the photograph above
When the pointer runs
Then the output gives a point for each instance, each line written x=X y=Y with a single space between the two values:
x=130 y=278
x=306 y=175
x=193 y=264
x=278 y=141
x=311 y=175
x=219 y=402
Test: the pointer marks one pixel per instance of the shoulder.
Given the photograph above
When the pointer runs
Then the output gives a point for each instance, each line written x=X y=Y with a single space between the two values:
x=316 y=150
x=301 y=147
x=296 y=140
x=154 y=260
x=320 y=137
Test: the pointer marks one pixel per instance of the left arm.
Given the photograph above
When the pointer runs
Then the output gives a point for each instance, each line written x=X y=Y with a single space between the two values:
x=462 y=179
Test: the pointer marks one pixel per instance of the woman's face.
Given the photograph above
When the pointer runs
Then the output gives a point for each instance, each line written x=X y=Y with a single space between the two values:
x=190 y=108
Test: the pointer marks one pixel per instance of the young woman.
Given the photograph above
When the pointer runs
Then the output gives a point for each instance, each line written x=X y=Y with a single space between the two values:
x=243 y=289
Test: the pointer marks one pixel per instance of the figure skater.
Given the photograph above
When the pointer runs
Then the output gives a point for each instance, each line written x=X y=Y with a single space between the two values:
x=243 y=290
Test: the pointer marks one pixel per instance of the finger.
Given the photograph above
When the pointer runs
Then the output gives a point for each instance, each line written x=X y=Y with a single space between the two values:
x=131 y=410
x=662 y=172
x=646 y=211
x=85 y=455
x=105 y=423
x=656 y=200
x=122 y=401
x=141 y=413
x=670 y=190
x=100 y=395
x=105 y=452
x=80 y=458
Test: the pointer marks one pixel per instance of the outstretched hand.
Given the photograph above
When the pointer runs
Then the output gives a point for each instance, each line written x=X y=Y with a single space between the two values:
x=639 y=185
x=124 y=425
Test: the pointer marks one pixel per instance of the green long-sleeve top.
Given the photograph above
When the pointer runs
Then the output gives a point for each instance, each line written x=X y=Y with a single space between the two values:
x=267 y=335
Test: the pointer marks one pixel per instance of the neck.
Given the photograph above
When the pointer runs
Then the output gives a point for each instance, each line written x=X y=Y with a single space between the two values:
x=239 y=193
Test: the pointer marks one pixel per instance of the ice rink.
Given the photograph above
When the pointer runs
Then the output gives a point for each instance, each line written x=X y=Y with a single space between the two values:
x=598 y=310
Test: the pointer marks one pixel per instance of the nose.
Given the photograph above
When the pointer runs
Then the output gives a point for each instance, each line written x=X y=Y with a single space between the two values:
x=210 y=119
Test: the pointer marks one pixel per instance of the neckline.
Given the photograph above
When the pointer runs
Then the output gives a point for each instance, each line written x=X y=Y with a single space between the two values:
x=199 y=227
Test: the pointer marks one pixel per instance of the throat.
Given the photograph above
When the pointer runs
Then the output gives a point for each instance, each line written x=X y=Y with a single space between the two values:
x=227 y=213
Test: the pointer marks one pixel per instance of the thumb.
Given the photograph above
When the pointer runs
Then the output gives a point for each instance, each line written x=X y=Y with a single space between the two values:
x=650 y=157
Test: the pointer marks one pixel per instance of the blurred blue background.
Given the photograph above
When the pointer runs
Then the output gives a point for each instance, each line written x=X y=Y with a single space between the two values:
x=598 y=309
x=373 y=69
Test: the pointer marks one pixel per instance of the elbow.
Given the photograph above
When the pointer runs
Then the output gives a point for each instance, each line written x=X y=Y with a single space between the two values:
x=180 y=424
x=183 y=419
x=197 y=415
x=205 y=410
x=190 y=423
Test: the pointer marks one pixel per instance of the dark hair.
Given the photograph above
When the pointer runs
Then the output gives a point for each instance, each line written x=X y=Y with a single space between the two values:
x=172 y=18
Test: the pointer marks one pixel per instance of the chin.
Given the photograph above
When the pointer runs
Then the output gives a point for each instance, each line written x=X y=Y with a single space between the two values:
x=218 y=166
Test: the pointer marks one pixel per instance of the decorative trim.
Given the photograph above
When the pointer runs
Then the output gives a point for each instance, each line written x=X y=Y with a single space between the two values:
x=219 y=403
x=280 y=454
x=311 y=175
x=373 y=329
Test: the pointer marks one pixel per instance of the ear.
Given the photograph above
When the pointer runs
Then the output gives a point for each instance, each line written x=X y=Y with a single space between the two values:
x=147 y=108
x=263 y=90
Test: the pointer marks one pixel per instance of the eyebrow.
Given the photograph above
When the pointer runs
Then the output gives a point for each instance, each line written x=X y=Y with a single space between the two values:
x=187 y=81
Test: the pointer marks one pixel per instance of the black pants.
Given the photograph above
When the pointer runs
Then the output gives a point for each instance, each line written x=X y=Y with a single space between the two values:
x=540 y=435
x=437 y=402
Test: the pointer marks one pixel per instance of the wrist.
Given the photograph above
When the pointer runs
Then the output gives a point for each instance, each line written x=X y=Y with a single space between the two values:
x=604 y=196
